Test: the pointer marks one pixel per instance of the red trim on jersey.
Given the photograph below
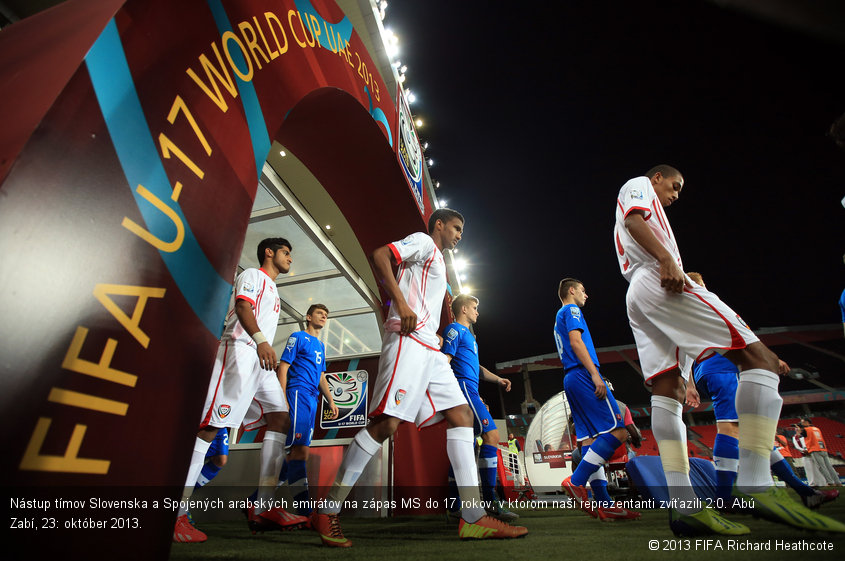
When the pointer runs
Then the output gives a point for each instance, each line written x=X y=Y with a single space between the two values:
x=266 y=273
x=646 y=211
x=426 y=269
x=737 y=342
x=421 y=426
x=423 y=344
x=255 y=422
x=257 y=308
x=207 y=418
x=621 y=251
x=247 y=298
x=395 y=253
x=402 y=268
x=648 y=381
x=659 y=218
x=380 y=409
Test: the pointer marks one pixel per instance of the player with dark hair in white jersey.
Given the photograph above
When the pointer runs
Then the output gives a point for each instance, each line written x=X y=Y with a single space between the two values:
x=415 y=382
x=670 y=317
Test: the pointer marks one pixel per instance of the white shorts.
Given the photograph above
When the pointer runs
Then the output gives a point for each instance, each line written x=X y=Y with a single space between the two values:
x=414 y=383
x=235 y=381
x=667 y=325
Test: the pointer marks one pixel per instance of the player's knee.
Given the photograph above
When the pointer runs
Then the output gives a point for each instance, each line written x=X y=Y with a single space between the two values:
x=491 y=437
x=207 y=433
x=728 y=428
x=755 y=355
x=460 y=416
x=298 y=453
x=669 y=384
x=220 y=460
x=620 y=434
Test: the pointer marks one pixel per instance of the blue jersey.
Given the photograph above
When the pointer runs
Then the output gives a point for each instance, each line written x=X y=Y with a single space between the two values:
x=460 y=344
x=307 y=356
x=569 y=318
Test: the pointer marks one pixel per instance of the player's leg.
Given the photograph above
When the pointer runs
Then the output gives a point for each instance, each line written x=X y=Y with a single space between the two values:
x=215 y=458
x=812 y=498
x=726 y=458
x=303 y=410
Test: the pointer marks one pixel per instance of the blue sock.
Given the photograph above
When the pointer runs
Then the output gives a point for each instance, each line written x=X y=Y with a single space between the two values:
x=488 y=462
x=209 y=472
x=594 y=457
x=600 y=493
x=726 y=457
x=283 y=473
x=784 y=472
x=298 y=481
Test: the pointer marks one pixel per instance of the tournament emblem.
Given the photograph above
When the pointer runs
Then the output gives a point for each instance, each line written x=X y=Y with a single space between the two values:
x=224 y=410
x=349 y=391
x=739 y=319
x=409 y=151
x=636 y=194
x=400 y=394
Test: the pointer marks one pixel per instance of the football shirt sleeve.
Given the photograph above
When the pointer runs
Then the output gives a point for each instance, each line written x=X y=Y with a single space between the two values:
x=451 y=340
x=637 y=194
x=289 y=354
x=416 y=247
x=247 y=286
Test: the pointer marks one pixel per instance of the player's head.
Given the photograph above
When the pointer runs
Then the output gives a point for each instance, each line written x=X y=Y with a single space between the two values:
x=571 y=291
x=278 y=251
x=446 y=226
x=465 y=306
x=667 y=182
x=317 y=316
x=697 y=279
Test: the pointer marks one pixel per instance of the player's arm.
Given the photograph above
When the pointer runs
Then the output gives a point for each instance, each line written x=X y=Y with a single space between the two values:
x=671 y=276
x=282 y=374
x=783 y=368
x=324 y=389
x=490 y=377
x=266 y=355
x=384 y=272
x=583 y=355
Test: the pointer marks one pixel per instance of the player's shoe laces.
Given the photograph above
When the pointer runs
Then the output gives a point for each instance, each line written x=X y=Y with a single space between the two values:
x=702 y=523
x=611 y=513
x=775 y=505
x=328 y=526
x=488 y=527
x=275 y=519
x=500 y=512
x=184 y=532
x=819 y=498
x=580 y=495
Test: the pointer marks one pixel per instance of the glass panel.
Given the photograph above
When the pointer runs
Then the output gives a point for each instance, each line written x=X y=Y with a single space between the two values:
x=351 y=335
x=264 y=199
x=307 y=257
x=337 y=294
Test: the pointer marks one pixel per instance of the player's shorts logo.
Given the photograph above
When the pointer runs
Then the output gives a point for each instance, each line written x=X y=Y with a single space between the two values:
x=298 y=436
x=400 y=395
x=224 y=410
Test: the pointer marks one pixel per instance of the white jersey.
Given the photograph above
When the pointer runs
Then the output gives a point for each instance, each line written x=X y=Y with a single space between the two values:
x=638 y=194
x=422 y=280
x=256 y=287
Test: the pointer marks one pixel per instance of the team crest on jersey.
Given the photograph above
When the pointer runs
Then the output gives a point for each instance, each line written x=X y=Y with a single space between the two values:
x=636 y=194
x=485 y=422
x=576 y=312
x=399 y=396
x=298 y=436
x=739 y=319
x=450 y=336
x=224 y=410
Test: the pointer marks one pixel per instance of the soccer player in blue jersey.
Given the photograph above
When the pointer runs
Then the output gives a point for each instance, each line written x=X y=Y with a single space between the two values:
x=460 y=347
x=302 y=374
x=720 y=377
x=598 y=422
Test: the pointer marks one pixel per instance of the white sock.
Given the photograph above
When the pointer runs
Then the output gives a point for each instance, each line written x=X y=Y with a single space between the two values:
x=356 y=458
x=459 y=448
x=272 y=456
x=671 y=436
x=758 y=406
x=197 y=461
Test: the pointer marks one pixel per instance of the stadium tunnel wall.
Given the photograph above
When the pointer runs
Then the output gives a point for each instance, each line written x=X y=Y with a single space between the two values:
x=134 y=135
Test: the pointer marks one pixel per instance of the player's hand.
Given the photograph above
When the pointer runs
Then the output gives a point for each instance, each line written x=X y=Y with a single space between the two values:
x=335 y=410
x=267 y=357
x=407 y=317
x=505 y=383
x=601 y=389
x=693 y=399
x=671 y=276
x=635 y=436
x=783 y=368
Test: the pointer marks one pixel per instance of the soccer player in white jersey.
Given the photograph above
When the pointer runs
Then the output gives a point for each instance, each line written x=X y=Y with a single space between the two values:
x=245 y=369
x=415 y=382
x=671 y=316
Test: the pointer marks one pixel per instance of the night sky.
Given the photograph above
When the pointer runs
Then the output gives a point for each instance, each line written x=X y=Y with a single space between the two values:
x=537 y=113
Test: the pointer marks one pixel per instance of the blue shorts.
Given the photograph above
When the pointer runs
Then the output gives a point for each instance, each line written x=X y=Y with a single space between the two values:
x=220 y=445
x=592 y=416
x=303 y=411
x=482 y=419
x=722 y=389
